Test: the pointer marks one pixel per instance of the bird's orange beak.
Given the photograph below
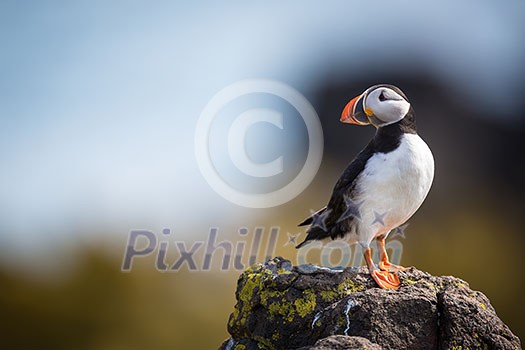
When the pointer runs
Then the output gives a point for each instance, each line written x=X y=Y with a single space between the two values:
x=353 y=112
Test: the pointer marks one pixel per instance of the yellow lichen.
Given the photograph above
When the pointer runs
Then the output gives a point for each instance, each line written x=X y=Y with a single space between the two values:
x=254 y=277
x=430 y=284
x=277 y=305
x=341 y=322
x=240 y=347
x=306 y=304
x=284 y=309
x=409 y=281
x=235 y=316
x=328 y=295
x=483 y=306
x=277 y=302
x=344 y=288
x=263 y=343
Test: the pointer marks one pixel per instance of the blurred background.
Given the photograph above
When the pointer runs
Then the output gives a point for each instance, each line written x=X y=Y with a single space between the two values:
x=99 y=103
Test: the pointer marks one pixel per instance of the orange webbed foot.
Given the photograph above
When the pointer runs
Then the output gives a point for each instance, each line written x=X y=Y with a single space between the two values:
x=386 y=279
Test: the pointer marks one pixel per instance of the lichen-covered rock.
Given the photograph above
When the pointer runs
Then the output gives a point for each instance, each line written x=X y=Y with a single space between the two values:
x=280 y=306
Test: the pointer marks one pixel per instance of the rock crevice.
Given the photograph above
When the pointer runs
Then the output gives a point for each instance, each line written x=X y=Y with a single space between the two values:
x=280 y=306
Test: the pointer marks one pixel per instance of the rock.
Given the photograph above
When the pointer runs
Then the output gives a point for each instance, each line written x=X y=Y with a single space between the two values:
x=342 y=342
x=280 y=306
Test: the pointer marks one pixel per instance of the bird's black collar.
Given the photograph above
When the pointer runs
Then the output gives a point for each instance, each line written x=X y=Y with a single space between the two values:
x=388 y=138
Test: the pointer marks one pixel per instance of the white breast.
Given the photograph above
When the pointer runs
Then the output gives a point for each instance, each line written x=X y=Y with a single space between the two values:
x=393 y=185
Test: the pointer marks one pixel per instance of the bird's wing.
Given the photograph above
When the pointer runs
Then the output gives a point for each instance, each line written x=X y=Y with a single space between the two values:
x=337 y=206
x=345 y=186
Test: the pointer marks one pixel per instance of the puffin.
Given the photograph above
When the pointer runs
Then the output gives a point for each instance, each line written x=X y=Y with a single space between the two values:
x=383 y=186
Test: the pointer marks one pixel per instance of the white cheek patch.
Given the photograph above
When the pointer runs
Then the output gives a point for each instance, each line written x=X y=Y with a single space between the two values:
x=394 y=111
x=389 y=111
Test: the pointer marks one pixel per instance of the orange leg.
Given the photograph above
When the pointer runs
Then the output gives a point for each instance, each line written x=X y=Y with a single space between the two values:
x=385 y=279
x=384 y=263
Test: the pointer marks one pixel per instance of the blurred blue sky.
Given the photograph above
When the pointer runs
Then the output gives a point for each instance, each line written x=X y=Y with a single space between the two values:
x=99 y=100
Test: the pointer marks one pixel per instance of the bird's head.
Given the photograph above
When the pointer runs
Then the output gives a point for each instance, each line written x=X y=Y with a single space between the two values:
x=379 y=105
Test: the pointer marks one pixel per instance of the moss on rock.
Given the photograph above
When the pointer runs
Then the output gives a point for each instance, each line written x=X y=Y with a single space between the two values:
x=284 y=307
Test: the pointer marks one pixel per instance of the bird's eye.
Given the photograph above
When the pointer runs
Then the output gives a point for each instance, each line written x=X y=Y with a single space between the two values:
x=382 y=96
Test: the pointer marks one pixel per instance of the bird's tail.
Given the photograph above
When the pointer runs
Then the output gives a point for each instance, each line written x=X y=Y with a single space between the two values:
x=302 y=244
x=314 y=233
x=309 y=219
